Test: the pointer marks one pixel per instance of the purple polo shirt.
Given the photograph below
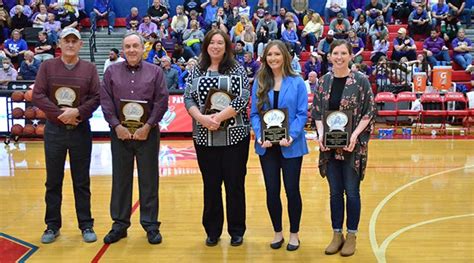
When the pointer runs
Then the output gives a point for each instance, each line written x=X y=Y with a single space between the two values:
x=145 y=82
x=456 y=42
x=54 y=72
x=434 y=46
x=148 y=29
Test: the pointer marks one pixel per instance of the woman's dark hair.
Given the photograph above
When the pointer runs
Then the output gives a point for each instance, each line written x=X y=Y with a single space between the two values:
x=156 y=43
x=227 y=61
x=340 y=42
x=362 y=15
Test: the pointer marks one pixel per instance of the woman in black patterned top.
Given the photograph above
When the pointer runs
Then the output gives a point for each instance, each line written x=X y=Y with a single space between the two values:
x=221 y=137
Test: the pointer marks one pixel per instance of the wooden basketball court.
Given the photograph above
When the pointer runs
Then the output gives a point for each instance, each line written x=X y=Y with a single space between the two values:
x=417 y=206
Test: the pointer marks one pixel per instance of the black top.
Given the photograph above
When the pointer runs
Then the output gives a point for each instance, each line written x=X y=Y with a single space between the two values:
x=276 y=94
x=336 y=93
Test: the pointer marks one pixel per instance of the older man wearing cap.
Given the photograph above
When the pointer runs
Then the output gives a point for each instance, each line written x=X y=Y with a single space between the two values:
x=67 y=90
x=340 y=26
x=323 y=50
x=403 y=46
x=270 y=23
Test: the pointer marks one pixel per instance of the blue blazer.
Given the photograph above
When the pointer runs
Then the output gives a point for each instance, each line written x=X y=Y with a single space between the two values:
x=294 y=97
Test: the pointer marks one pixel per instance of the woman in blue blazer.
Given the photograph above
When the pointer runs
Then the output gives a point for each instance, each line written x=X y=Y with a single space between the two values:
x=277 y=86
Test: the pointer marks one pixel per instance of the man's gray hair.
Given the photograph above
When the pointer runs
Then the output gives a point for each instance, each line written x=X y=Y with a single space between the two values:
x=133 y=9
x=142 y=40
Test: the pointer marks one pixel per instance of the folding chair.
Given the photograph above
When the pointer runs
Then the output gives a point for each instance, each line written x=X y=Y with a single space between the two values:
x=386 y=97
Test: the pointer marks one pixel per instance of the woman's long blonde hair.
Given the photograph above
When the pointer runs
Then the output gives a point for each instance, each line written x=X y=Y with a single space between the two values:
x=265 y=77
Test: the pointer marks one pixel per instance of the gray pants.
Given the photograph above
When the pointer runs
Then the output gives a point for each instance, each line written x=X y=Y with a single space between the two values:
x=123 y=156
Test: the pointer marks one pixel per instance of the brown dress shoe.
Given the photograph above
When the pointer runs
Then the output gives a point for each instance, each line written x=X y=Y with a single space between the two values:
x=349 y=246
x=336 y=244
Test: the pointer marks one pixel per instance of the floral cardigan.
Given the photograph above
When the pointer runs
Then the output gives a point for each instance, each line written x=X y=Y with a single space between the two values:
x=357 y=96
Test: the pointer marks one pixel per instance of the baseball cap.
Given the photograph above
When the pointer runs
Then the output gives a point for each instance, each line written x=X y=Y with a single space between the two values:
x=266 y=12
x=70 y=31
x=402 y=30
x=331 y=32
x=340 y=16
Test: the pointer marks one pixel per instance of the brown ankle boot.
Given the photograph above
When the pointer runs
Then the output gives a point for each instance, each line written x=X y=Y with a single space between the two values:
x=336 y=244
x=349 y=246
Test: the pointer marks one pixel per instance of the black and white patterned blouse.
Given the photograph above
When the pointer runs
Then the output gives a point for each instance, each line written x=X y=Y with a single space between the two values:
x=235 y=82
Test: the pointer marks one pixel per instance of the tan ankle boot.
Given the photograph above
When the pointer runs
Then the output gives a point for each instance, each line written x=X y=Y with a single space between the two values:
x=336 y=244
x=349 y=246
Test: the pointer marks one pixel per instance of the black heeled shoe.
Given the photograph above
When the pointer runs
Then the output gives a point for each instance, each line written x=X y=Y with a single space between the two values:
x=212 y=242
x=278 y=244
x=291 y=247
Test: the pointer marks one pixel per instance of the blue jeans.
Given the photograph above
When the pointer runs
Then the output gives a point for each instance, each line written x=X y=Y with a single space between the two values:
x=94 y=17
x=328 y=13
x=388 y=15
x=195 y=48
x=441 y=56
x=342 y=179
x=463 y=60
x=273 y=163
x=312 y=40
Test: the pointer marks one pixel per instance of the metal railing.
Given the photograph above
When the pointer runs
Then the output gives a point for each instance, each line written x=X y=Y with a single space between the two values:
x=92 y=46
x=395 y=77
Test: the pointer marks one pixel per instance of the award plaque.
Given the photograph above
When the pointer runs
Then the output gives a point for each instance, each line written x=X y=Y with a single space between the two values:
x=337 y=128
x=66 y=96
x=216 y=101
x=274 y=125
x=133 y=114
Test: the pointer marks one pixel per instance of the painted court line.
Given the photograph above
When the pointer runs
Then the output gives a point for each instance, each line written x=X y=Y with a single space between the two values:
x=378 y=250
x=104 y=248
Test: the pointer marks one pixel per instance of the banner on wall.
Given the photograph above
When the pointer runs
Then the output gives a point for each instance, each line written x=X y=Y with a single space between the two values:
x=176 y=119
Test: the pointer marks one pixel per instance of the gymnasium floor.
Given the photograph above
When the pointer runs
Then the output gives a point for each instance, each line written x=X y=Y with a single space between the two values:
x=418 y=206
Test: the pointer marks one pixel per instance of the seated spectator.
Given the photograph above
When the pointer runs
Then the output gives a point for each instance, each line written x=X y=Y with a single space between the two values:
x=463 y=47
x=181 y=53
x=263 y=37
x=182 y=78
x=312 y=82
x=221 y=19
x=156 y=53
x=361 y=27
x=312 y=32
x=271 y=25
x=192 y=38
x=373 y=10
x=290 y=37
x=357 y=46
x=25 y=9
x=419 y=23
x=323 y=51
x=147 y=27
x=251 y=66
x=460 y=11
x=19 y=20
x=421 y=64
x=171 y=74
x=133 y=19
x=233 y=19
x=192 y=5
x=102 y=9
x=152 y=38
x=227 y=8
x=29 y=67
x=40 y=17
x=378 y=30
x=280 y=19
x=239 y=52
x=239 y=28
x=249 y=37
x=114 y=57
x=401 y=10
x=403 y=46
x=4 y=23
x=15 y=47
x=67 y=19
x=340 y=26
x=308 y=15
x=244 y=9
x=44 y=47
x=381 y=47
x=439 y=13
x=291 y=16
x=451 y=27
x=387 y=10
x=358 y=8
x=259 y=11
x=162 y=32
x=313 y=64
x=436 y=50
x=52 y=28
x=210 y=11
x=158 y=13
x=7 y=73
x=195 y=16
x=382 y=72
x=334 y=7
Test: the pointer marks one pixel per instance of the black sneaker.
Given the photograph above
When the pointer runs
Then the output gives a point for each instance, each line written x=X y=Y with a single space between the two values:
x=236 y=241
x=154 y=237
x=49 y=236
x=211 y=242
x=114 y=236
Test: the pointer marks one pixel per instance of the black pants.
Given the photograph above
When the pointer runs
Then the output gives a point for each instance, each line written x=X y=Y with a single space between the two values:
x=58 y=141
x=272 y=163
x=123 y=157
x=226 y=164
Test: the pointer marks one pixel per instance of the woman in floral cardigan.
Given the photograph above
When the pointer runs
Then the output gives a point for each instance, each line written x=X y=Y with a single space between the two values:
x=343 y=90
